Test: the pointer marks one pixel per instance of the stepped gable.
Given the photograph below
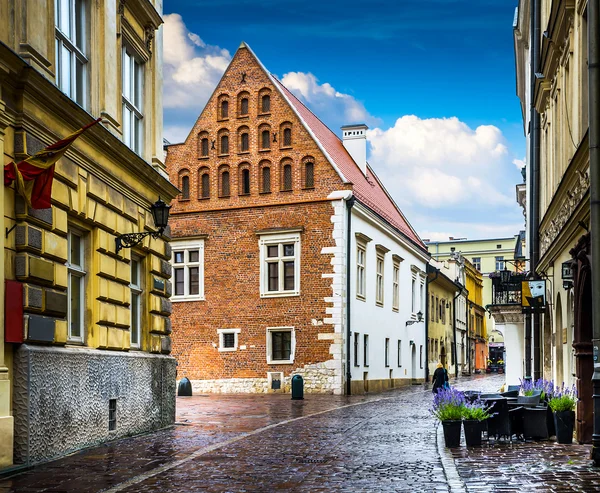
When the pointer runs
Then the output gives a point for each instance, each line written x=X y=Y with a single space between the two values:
x=367 y=189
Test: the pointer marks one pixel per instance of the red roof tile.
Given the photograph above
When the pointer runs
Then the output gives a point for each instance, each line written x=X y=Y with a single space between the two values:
x=367 y=189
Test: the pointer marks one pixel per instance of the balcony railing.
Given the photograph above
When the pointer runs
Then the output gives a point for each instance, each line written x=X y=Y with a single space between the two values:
x=506 y=287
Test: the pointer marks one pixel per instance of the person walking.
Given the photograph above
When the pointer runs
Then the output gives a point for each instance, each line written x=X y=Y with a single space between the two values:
x=440 y=377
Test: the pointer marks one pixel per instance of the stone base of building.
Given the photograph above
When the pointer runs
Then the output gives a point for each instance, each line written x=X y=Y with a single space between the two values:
x=374 y=386
x=63 y=398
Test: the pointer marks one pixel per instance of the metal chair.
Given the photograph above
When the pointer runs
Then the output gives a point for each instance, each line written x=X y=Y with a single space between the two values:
x=534 y=422
x=499 y=423
x=515 y=417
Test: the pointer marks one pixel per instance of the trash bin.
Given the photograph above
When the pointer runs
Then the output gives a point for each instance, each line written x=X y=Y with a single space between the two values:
x=185 y=387
x=297 y=388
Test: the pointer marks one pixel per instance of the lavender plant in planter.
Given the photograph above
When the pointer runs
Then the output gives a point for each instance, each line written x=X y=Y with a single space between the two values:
x=448 y=407
x=562 y=403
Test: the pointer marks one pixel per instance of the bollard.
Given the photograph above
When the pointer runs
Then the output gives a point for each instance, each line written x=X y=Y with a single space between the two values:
x=185 y=387
x=297 y=388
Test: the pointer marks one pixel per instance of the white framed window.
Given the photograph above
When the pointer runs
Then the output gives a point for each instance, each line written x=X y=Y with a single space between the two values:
x=500 y=263
x=76 y=286
x=422 y=295
x=379 y=279
x=228 y=339
x=361 y=256
x=396 y=283
x=71 y=39
x=414 y=294
x=280 y=264
x=281 y=345
x=387 y=352
x=188 y=270
x=356 y=349
x=133 y=87
x=135 y=308
x=399 y=353
x=365 y=350
x=477 y=263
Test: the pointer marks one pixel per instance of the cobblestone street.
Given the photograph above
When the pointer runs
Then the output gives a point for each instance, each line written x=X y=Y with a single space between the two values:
x=265 y=443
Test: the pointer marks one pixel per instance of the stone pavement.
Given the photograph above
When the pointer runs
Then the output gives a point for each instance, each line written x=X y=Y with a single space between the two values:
x=268 y=443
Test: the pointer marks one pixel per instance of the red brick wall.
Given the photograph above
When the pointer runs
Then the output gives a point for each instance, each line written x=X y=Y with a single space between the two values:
x=231 y=256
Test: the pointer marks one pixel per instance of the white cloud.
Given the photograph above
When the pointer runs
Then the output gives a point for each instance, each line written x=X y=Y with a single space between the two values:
x=324 y=100
x=192 y=68
x=519 y=163
x=442 y=162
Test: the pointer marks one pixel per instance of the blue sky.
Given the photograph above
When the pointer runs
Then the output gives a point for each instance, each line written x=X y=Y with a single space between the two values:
x=433 y=79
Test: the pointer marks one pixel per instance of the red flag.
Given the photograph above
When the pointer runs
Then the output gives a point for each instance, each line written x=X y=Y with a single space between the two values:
x=33 y=176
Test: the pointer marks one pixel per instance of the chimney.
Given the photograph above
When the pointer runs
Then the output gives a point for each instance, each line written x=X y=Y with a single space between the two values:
x=354 y=138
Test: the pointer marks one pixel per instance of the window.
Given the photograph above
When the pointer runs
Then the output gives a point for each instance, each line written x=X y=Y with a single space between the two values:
x=422 y=296
x=204 y=147
x=437 y=309
x=286 y=178
x=224 y=109
x=414 y=295
x=281 y=342
x=379 y=279
x=265 y=104
x=287 y=137
x=265 y=139
x=499 y=263
x=76 y=286
x=224 y=182
x=477 y=263
x=387 y=352
x=135 y=286
x=432 y=309
x=112 y=414
x=244 y=146
x=224 y=145
x=228 y=339
x=71 y=47
x=245 y=182
x=361 y=265
x=266 y=179
x=280 y=264
x=204 y=184
x=365 y=350
x=421 y=356
x=244 y=106
x=396 y=285
x=188 y=270
x=185 y=187
x=133 y=74
x=309 y=175
x=498 y=247
x=356 y=344
x=399 y=353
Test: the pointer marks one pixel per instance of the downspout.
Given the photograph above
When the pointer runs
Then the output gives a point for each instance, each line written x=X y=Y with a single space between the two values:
x=349 y=204
x=427 y=281
x=594 y=136
x=535 y=184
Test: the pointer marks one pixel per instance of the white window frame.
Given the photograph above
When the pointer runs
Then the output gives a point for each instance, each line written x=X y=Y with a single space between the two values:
x=379 y=278
x=477 y=263
x=136 y=289
x=186 y=246
x=132 y=65
x=396 y=283
x=279 y=239
x=502 y=262
x=77 y=273
x=361 y=271
x=399 y=353
x=387 y=352
x=414 y=293
x=66 y=41
x=222 y=347
x=269 y=345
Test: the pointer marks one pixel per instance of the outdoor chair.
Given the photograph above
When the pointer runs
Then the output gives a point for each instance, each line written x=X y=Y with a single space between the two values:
x=510 y=393
x=498 y=424
x=528 y=400
x=514 y=387
x=535 y=422
x=515 y=417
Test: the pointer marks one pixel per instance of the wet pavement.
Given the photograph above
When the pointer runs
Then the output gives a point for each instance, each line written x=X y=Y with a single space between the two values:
x=268 y=443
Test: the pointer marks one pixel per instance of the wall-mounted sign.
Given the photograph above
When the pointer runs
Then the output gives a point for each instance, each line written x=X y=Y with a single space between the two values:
x=533 y=297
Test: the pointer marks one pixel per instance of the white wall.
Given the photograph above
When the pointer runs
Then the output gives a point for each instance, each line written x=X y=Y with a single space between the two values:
x=379 y=322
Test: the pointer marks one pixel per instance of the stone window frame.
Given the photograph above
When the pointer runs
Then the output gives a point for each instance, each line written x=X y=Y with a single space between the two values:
x=399 y=353
x=221 y=99
x=223 y=133
x=243 y=95
x=362 y=242
x=265 y=91
x=380 y=252
x=224 y=168
x=308 y=184
x=244 y=129
x=282 y=127
x=137 y=290
x=245 y=166
x=265 y=164
x=264 y=129
x=366 y=350
x=269 y=345
x=79 y=273
x=386 y=352
x=356 y=349
x=267 y=239
x=186 y=246
x=184 y=176
x=221 y=333
x=396 y=264
x=282 y=167
x=203 y=137
x=204 y=170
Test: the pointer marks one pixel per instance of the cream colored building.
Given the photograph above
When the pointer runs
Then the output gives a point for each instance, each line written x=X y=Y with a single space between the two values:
x=95 y=326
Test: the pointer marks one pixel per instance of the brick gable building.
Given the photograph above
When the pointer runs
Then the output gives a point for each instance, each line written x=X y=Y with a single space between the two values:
x=274 y=212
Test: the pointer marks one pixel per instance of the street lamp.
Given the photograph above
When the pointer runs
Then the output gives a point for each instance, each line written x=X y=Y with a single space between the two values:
x=419 y=319
x=160 y=213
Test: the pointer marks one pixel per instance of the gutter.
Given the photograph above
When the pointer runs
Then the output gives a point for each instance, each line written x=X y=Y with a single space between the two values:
x=349 y=205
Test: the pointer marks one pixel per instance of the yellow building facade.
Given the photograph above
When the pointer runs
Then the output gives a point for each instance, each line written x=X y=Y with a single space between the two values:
x=93 y=364
x=476 y=320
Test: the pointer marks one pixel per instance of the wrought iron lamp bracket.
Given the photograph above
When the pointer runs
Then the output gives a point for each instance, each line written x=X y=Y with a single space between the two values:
x=130 y=240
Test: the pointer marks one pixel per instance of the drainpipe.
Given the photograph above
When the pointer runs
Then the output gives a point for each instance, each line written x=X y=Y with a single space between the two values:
x=349 y=204
x=594 y=136
x=535 y=179
x=427 y=281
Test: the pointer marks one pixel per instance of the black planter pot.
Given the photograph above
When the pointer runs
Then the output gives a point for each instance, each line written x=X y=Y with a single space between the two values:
x=473 y=429
x=564 y=422
x=452 y=433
